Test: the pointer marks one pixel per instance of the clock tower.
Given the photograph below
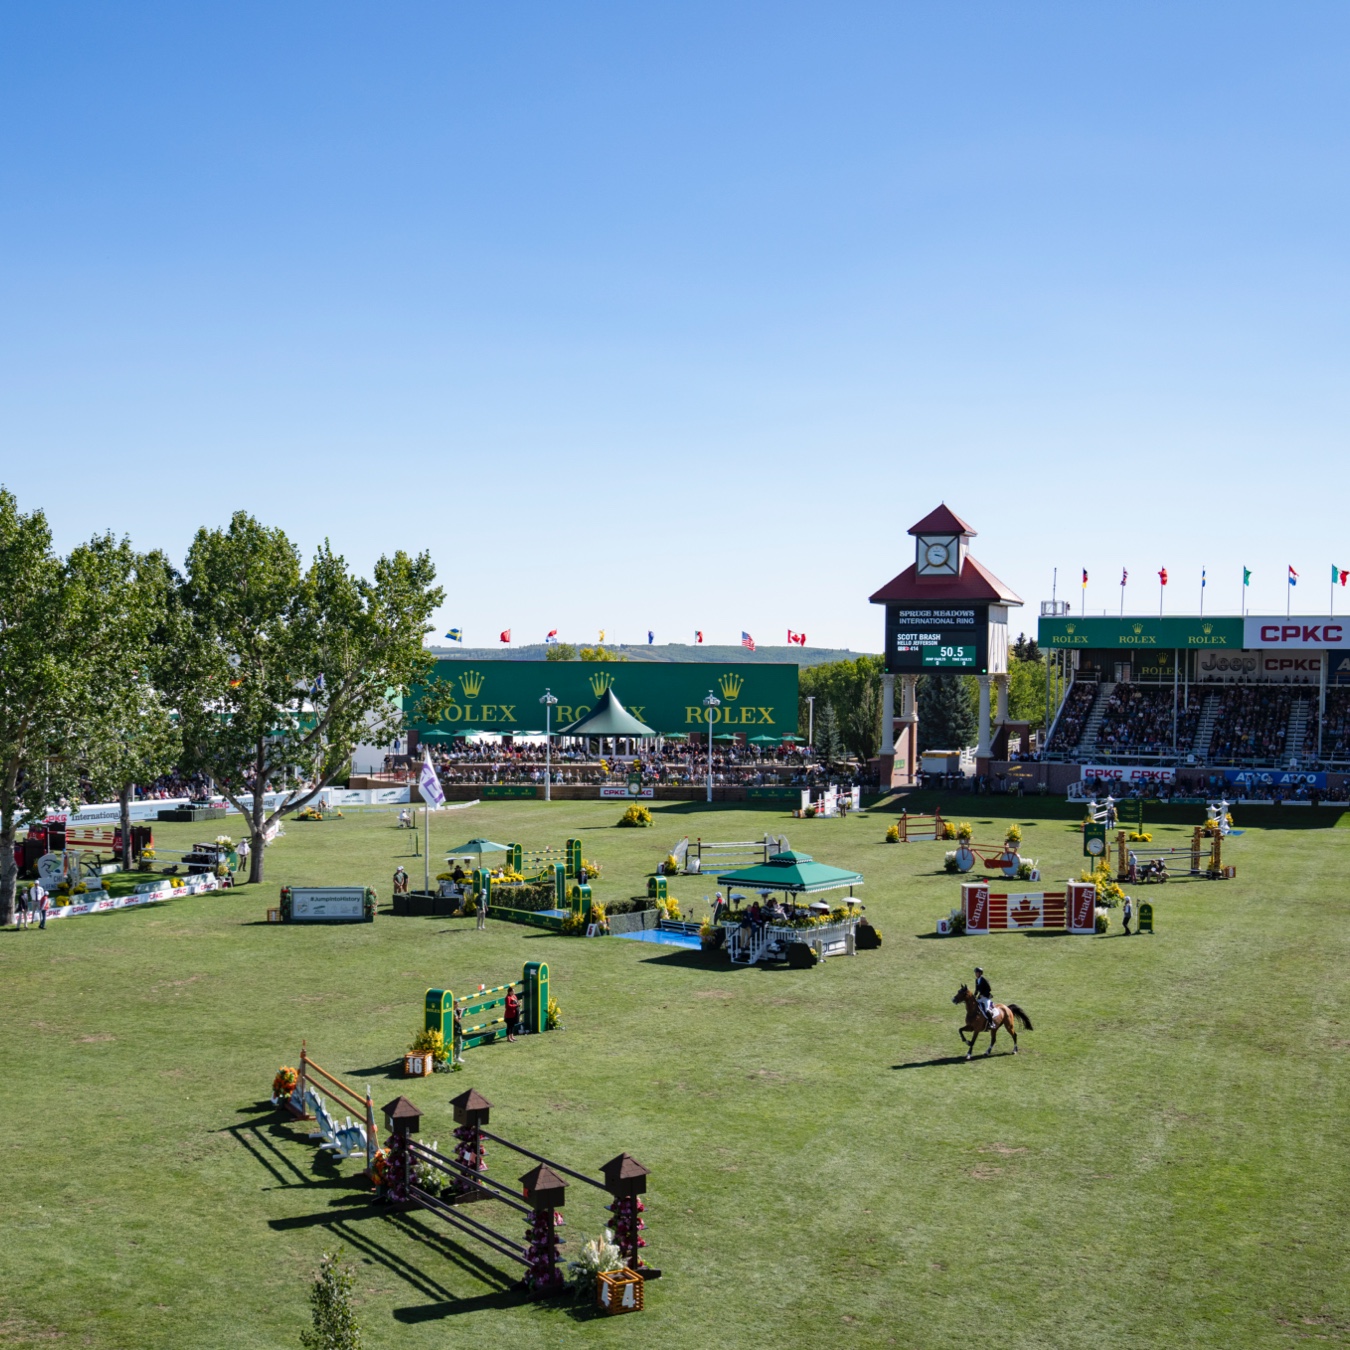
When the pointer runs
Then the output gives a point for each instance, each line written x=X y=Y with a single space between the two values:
x=946 y=614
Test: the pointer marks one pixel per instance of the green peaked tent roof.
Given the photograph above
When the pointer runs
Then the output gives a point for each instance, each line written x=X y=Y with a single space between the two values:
x=608 y=718
x=799 y=873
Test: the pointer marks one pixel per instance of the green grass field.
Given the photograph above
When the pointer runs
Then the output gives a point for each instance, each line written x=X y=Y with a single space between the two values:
x=1164 y=1164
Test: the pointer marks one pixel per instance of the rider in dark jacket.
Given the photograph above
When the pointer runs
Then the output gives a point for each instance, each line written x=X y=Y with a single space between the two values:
x=984 y=997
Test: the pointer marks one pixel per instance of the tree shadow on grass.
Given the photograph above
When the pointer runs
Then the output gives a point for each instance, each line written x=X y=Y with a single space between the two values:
x=688 y=959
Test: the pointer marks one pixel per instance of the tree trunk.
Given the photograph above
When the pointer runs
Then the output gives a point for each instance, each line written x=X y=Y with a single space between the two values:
x=9 y=871
x=124 y=801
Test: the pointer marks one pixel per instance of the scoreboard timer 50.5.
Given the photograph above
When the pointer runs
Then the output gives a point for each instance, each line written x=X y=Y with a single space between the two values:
x=937 y=639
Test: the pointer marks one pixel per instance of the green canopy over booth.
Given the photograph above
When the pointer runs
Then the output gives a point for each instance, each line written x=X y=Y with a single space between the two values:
x=608 y=718
x=479 y=846
x=797 y=873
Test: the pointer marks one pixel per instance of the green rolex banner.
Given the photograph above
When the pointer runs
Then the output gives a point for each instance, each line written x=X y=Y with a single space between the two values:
x=668 y=696
x=1141 y=633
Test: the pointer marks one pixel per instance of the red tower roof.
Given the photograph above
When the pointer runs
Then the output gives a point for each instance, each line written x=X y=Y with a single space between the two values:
x=976 y=584
x=942 y=521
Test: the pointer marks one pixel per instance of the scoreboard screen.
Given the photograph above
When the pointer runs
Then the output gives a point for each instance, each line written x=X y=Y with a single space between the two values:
x=936 y=639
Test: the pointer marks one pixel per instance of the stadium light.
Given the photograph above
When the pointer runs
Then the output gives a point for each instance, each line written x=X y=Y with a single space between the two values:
x=548 y=701
x=711 y=702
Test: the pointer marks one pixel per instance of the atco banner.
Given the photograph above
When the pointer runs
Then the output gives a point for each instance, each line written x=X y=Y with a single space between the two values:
x=1291 y=778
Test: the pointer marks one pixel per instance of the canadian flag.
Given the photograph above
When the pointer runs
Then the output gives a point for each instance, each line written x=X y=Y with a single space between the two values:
x=698 y=635
x=506 y=635
x=798 y=638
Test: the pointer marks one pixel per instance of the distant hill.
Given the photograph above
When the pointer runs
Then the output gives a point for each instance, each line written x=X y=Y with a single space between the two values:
x=672 y=651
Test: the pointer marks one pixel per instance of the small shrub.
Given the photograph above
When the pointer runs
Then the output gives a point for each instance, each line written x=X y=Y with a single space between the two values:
x=800 y=956
x=948 y=830
x=866 y=938
x=553 y=1018
x=672 y=907
x=949 y=862
x=1013 y=835
x=1024 y=871
x=330 y=1301
x=636 y=815
x=1137 y=837
x=1103 y=920
x=574 y=925
x=430 y=1043
x=671 y=866
x=957 y=923
x=284 y=1083
x=964 y=832
x=810 y=812
x=893 y=835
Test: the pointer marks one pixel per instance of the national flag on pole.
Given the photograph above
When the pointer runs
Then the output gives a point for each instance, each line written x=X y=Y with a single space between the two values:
x=1085 y=576
x=1246 y=576
x=506 y=635
x=552 y=636
x=1124 y=576
x=1202 y=578
x=1162 y=575
x=799 y=639
x=1293 y=576
x=602 y=635
x=698 y=635
x=651 y=637
x=429 y=783
x=456 y=635
x=1339 y=574
x=747 y=641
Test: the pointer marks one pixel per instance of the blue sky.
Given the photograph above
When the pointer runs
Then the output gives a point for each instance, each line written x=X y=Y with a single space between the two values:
x=677 y=316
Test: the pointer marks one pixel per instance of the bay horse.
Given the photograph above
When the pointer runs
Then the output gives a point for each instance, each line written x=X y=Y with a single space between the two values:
x=1005 y=1015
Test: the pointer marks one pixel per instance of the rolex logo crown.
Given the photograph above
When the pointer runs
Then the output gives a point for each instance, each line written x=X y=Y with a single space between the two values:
x=1207 y=627
x=1069 y=628
x=730 y=685
x=601 y=681
x=1139 y=628
x=472 y=683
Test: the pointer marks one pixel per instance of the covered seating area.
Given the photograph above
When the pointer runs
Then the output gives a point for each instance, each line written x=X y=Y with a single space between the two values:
x=786 y=913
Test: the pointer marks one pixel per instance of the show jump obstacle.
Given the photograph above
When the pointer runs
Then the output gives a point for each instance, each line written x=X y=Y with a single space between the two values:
x=418 y=1176
x=1073 y=909
x=918 y=828
x=306 y=1102
x=481 y=1016
x=1200 y=866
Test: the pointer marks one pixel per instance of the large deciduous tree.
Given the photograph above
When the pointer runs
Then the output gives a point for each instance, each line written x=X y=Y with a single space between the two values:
x=135 y=739
x=851 y=691
x=286 y=670
x=64 y=648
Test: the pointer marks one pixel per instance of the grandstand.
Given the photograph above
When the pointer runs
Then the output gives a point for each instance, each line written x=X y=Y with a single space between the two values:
x=1193 y=692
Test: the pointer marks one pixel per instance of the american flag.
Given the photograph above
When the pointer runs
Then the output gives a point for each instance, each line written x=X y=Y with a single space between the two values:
x=747 y=641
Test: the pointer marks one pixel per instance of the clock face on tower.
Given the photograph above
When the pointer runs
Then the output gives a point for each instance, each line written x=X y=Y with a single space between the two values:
x=938 y=556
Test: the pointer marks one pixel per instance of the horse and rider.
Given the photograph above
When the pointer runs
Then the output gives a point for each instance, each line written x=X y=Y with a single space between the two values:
x=983 y=1014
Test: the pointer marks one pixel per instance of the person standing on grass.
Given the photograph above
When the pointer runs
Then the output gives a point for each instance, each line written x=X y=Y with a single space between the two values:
x=482 y=908
x=1129 y=914
x=512 y=1014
